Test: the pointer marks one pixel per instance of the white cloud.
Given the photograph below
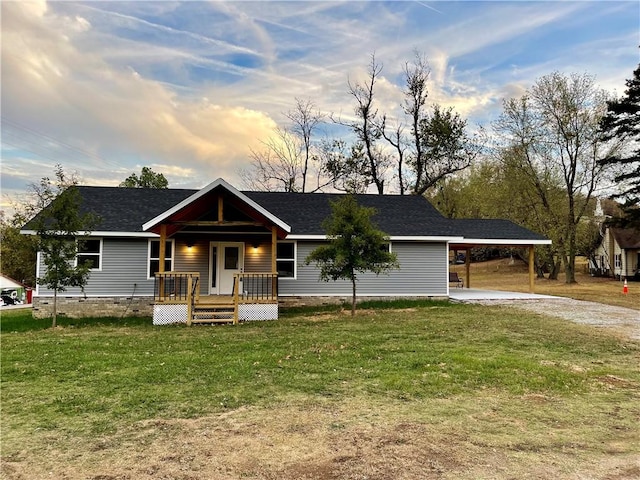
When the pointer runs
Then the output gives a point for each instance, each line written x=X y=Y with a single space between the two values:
x=47 y=76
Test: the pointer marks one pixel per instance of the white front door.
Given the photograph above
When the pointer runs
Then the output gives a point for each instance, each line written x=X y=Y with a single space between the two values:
x=226 y=259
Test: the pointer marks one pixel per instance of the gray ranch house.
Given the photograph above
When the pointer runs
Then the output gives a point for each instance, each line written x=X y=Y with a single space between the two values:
x=219 y=254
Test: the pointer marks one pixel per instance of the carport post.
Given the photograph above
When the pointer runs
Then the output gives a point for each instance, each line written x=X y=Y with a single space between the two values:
x=467 y=267
x=531 y=269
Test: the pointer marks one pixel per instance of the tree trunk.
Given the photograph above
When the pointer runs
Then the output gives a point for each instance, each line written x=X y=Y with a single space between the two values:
x=54 y=323
x=570 y=267
x=353 y=297
x=553 y=275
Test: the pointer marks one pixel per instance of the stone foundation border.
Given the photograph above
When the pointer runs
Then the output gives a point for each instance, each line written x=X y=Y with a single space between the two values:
x=80 y=307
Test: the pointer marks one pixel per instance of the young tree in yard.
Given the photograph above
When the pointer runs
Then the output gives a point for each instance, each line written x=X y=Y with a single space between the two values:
x=58 y=226
x=554 y=129
x=355 y=245
x=147 y=179
x=622 y=122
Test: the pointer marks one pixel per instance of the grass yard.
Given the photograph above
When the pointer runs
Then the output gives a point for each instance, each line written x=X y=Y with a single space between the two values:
x=505 y=274
x=431 y=390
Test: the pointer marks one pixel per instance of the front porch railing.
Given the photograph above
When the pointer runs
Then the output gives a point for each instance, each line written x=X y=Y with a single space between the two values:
x=254 y=288
x=176 y=287
x=256 y=294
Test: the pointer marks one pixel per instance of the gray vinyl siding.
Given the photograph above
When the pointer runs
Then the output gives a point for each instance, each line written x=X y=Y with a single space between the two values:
x=194 y=259
x=257 y=260
x=123 y=272
x=423 y=272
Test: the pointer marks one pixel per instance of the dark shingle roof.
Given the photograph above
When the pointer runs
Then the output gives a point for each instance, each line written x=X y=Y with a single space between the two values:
x=493 y=229
x=127 y=209
x=396 y=215
x=627 y=238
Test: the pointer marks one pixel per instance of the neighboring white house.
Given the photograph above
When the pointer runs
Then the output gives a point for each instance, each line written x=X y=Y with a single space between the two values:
x=618 y=254
x=166 y=248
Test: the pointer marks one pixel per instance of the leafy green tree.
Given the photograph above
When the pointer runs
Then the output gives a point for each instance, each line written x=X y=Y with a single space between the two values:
x=60 y=227
x=346 y=166
x=355 y=245
x=147 y=179
x=622 y=122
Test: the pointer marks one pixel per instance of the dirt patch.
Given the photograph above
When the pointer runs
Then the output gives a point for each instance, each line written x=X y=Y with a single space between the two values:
x=334 y=441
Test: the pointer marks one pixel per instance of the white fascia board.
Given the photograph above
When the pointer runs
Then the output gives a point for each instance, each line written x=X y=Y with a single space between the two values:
x=393 y=238
x=207 y=189
x=503 y=241
x=105 y=234
x=125 y=234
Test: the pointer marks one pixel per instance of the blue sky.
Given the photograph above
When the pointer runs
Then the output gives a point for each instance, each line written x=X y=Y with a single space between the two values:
x=189 y=88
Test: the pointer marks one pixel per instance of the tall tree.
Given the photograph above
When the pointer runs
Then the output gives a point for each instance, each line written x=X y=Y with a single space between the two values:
x=345 y=165
x=305 y=118
x=445 y=148
x=290 y=160
x=436 y=143
x=355 y=245
x=622 y=123
x=147 y=179
x=60 y=227
x=366 y=125
x=276 y=167
x=554 y=128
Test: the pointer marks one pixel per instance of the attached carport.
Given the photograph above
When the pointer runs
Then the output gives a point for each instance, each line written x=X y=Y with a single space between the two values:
x=499 y=234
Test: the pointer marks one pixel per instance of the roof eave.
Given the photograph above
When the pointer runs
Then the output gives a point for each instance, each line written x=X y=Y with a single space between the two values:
x=505 y=241
x=396 y=238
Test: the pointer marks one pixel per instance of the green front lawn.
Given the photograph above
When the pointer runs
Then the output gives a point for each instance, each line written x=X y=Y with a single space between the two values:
x=93 y=378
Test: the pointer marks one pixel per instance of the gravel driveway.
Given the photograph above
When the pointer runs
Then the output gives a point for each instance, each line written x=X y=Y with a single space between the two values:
x=625 y=320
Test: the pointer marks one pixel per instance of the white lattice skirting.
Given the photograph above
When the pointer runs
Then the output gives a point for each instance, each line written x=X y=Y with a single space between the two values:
x=257 y=311
x=167 y=314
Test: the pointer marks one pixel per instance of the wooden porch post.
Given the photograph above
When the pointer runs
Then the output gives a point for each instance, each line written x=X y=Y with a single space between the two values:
x=161 y=256
x=274 y=255
x=467 y=267
x=189 y=300
x=220 y=209
x=163 y=245
x=274 y=248
x=531 y=269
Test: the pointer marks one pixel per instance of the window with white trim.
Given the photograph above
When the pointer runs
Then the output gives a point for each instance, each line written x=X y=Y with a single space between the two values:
x=618 y=260
x=90 y=251
x=286 y=259
x=154 y=257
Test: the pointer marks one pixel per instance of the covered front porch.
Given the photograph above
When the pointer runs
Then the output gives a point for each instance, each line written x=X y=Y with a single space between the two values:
x=178 y=299
x=216 y=259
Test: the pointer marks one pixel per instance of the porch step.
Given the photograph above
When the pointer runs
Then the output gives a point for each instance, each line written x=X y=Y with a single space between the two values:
x=213 y=313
